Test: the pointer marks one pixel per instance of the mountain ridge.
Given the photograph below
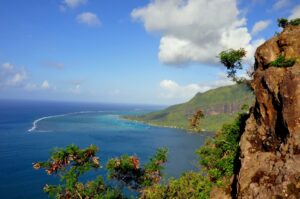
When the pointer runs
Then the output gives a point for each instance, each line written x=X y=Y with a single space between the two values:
x=220 y=105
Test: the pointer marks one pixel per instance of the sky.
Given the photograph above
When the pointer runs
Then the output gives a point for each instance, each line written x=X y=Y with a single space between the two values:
x=133 y=51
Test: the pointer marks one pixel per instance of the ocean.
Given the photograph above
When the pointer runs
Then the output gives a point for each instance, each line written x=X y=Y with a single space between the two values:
x=30 y=129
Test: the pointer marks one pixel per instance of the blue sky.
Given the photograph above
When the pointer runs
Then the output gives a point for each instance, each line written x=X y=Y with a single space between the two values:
x=135 y=51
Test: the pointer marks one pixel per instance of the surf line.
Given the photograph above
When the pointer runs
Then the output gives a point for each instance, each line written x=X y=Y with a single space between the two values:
x=34 y=124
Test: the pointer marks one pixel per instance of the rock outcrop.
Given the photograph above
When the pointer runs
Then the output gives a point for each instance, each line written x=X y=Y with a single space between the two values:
x=270 y=145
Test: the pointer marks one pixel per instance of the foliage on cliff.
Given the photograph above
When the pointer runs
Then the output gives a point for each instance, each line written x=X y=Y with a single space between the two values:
x=218 y=161
x=281 y=61
x=232 y=60
x=283 y=22
x=71 y=163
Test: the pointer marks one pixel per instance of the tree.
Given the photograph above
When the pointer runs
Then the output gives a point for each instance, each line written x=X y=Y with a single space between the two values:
x=127 y=170
x=295 y=22
x=232 y=60
x=196 y=118
x=282 y=22
x=72 y=162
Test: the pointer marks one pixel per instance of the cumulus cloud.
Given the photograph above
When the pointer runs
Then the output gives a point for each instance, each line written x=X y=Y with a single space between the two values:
x=45 y=85
x=88 y=18
x=17 y=77
x=11 y=76
x=76 y=89
x=281 y=4
x=195 y=30
x=7 y=66
x=172 y=90
x=295 y=12
x=260 y=26
x=31 y=87
x=71 y=4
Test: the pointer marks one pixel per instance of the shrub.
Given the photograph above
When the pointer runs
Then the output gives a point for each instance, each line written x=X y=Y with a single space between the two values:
x=282 y=22
x=191 y=185
x=281 y=61
x=218 y=160
x=295 y=22
x=72 y=162
x=127 y=170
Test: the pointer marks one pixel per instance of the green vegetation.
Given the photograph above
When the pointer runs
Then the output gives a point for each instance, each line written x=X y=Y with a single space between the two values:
x=71 y=163
x=196 y=119
x=127 y=170
x=232 y=60
x=219 y=105
x=281 y=61
x=191 y=185
x=219 y=159
x=283 y=22
x=295 y=22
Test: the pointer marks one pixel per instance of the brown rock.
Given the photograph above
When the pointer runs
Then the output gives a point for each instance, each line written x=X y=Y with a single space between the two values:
x=270 y=166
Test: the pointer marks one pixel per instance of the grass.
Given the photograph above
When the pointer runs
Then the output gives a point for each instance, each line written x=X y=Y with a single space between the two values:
x=281 y=61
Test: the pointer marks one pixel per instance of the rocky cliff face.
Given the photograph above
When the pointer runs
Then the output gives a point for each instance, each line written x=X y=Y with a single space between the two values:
x=270 y=145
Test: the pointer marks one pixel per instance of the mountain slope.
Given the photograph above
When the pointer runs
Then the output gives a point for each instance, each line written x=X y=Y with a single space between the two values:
x=220 y=106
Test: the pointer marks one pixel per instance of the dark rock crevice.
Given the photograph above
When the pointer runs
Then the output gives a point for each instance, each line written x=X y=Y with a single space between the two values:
x=281 y=129
x=237 y=161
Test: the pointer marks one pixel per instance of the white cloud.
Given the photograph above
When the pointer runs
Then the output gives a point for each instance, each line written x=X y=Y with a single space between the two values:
x=194 y=30
x=172 y=90
x=281 y=4
x=72 y=4
x=89 y=19
x=76 y=89
x=260 y=26
x=295 y=13
x=45 y=85
x=18 y=78
x=30 y=87
x=15 y=77
x=7 y=66
x=11 y=76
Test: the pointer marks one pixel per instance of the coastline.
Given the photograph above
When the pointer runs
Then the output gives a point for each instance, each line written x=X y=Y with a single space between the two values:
x=164 y=126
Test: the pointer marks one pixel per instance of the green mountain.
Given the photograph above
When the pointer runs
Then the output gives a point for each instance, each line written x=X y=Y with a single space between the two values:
x=220 y=106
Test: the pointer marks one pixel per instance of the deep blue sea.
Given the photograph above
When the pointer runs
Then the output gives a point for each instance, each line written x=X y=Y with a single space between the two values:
x=30 y=129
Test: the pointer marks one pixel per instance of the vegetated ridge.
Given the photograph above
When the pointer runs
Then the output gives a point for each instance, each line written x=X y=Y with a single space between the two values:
x=219 y=105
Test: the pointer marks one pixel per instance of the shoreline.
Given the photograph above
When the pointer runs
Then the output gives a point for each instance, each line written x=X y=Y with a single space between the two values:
x=164 y=126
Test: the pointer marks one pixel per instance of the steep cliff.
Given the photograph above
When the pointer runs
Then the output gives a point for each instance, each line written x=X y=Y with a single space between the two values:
x=270 y=144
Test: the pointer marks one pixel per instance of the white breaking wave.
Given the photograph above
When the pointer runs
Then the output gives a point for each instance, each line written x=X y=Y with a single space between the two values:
x=34 y=124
